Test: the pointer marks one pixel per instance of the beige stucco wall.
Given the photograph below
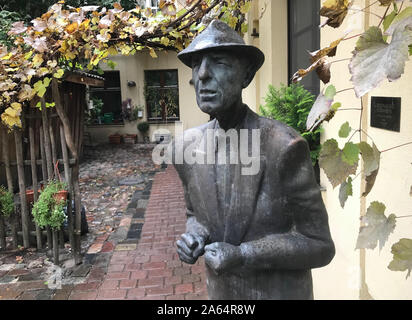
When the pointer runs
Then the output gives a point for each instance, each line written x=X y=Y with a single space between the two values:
x=271 y=18
x=132 y=69
x=342 y=279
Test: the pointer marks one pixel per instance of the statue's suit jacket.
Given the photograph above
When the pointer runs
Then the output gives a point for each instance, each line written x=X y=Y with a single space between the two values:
x=277 y=215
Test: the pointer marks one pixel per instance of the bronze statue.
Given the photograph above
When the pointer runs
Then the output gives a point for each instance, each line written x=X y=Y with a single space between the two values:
x=260 y=233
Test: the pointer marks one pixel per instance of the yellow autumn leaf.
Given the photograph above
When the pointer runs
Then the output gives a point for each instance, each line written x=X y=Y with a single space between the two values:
x=11 y=121
x=72 y=27
x=125 y=50
x=335 y=11
x=245 y=8
x=85 y=24
x=28 y=55
x=12 y=112
x=176 y=34
x=153 y=53
x=7 y=56
x=69 y=55
x=59 y=74
x=327 y=51
x=112 y=51
x=37 y=60
x=165 y=41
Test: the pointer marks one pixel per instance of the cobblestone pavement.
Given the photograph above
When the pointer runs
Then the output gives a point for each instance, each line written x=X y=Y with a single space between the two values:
x=116 y=183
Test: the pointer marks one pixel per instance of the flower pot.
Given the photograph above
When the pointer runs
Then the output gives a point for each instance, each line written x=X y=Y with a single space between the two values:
x=130 y=138
x=115 y=139
x=61 y=195
x=30 y=195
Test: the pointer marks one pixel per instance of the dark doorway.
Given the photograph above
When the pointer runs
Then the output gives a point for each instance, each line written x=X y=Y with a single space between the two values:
x=304 y=36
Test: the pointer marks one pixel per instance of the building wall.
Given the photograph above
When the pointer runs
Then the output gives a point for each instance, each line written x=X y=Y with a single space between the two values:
x=270 y=20
x=363 y=274
x=132 y=68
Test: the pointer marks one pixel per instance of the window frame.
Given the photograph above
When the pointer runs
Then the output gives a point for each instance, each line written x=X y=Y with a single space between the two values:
x=161 y=87
x=108 y=89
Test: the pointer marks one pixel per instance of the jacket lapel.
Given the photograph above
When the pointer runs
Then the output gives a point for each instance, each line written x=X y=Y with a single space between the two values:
x=245 y=191
x=204 y=180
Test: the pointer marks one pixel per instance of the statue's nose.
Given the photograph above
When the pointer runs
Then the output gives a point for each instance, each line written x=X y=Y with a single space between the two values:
x=204 y=70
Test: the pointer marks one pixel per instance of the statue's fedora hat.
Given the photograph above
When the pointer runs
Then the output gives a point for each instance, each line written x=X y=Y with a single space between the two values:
x=219 y=36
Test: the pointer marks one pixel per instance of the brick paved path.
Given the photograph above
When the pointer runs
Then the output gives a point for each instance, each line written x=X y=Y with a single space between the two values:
x=152 y=269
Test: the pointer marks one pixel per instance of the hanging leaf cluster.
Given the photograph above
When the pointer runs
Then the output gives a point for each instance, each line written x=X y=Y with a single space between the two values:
x=380 y=54
x=66 y=38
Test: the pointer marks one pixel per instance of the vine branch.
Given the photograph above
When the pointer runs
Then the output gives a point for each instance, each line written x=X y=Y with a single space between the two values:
x=401 y=145
x=408 y=216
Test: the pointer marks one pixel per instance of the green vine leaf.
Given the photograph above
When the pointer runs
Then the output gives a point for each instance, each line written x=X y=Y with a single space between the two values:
x=345 y=191
x=337 y=166
x=350 y=153
x=344 y=130
x=400 y=21
x=402 y=256
x=374 y=59
x=371 y=157
x=377 y=227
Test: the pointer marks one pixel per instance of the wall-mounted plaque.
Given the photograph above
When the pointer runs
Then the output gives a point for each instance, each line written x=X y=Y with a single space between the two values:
x=386 y=113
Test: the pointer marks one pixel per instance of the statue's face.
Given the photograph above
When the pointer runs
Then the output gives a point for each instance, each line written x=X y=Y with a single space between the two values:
x=218 y=77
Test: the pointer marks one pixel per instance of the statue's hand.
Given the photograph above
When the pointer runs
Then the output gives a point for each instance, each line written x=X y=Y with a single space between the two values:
x=190 y=247
x=221 y=256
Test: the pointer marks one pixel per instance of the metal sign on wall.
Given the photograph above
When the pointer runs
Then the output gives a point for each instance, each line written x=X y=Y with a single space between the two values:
x=386 y=113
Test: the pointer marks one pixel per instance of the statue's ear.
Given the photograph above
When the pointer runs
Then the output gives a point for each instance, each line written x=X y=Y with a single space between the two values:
x=249 y=75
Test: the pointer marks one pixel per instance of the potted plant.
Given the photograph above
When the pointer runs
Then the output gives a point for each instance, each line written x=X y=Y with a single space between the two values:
x=115 y=138
x=131 y=112
x=30 y=194
x=6 y=202
x=48 y=210
x=94 y=110
x=143 y=127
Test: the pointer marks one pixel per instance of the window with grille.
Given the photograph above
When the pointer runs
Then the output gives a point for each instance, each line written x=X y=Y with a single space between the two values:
x=162 y=95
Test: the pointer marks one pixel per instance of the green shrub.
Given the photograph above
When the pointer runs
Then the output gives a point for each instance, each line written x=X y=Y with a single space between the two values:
x=291 y=105
x=6 y=202
x=47 y=211
x=143 y=126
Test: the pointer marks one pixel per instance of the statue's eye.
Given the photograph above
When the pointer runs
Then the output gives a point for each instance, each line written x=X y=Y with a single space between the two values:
x=221 y=61
x=195 y=62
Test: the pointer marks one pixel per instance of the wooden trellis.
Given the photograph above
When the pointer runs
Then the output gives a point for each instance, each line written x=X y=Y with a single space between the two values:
x=50 y=141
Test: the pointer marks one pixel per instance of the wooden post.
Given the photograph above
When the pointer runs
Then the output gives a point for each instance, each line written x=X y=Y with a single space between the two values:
x=78 y=221
x=55 y=247
x=43 y=157
x=75 y=172
x=46 y=178
x=47 y=147
x=53 y=148
x=2 y=226
x=2 y=234
x=22 y=188
x=34 y=178
x=9 y=177
x=56 y=176
x=67 y=176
